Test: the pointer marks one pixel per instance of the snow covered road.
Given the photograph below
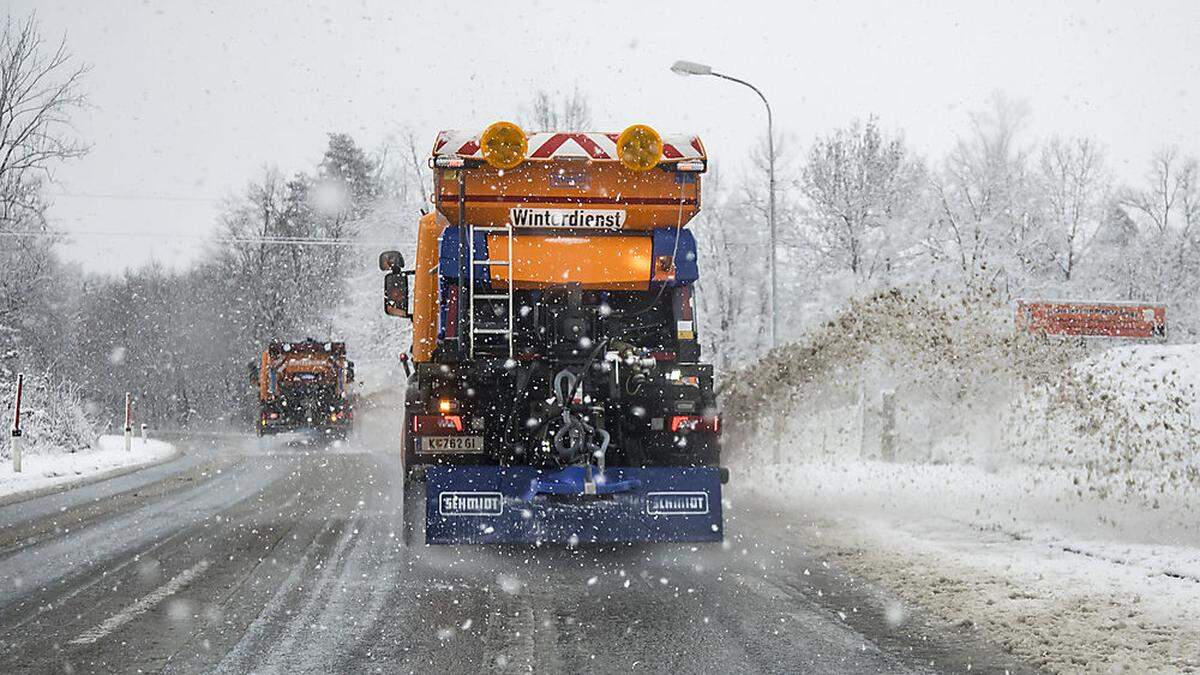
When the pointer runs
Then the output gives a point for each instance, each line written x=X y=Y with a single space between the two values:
x=243 y=556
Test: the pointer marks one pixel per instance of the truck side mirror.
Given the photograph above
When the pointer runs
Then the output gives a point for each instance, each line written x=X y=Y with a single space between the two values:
x=253 y=367
x=349 y=371
x=391 y=261
x=395 y=294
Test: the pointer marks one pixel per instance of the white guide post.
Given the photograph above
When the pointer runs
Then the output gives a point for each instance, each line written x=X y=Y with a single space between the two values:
x=16 y=425
x=128 y=424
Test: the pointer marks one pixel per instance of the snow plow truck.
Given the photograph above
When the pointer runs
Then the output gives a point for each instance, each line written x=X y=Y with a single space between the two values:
x=304 y=385
x=556 y=393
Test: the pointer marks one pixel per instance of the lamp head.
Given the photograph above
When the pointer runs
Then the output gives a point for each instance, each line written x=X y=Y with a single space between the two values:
x=690 y=68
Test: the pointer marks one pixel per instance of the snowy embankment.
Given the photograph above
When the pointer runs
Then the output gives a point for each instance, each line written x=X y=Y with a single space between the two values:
x=46 y=470
x=1044 y=494
x=1067 y=583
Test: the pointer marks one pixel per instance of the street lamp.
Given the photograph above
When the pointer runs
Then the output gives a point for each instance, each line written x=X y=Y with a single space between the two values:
x=691 y=68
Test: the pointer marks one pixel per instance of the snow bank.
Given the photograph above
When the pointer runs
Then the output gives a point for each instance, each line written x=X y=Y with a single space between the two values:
x=48 y=469
x=1070 y=583
x=1124 y=421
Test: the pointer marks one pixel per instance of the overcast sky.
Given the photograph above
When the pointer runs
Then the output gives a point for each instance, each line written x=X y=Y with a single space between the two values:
x=191 y=101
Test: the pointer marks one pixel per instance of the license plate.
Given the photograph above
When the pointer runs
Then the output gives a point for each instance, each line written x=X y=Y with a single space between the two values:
x=450 y=444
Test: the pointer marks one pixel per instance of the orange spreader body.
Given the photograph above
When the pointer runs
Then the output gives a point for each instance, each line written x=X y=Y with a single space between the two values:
x=616 y=263
x=564 y=174
x=650 y=199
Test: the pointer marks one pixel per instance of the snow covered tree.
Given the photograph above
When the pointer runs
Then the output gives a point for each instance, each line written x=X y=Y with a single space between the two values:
x=40 y=87
x=732 y=295
x=251 y=259
x=343 y=192
x=376 y=340
x=984 y=222
x=1163 y=262
x=1074 y=191
x=859 y=186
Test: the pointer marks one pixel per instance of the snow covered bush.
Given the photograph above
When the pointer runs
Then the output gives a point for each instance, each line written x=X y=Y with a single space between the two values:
x=54 y=418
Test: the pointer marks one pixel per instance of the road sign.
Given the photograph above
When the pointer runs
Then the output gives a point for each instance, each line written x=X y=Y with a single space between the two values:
x=1122 y=320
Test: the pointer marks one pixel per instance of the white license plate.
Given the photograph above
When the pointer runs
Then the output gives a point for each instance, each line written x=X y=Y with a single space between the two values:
x=450 y=444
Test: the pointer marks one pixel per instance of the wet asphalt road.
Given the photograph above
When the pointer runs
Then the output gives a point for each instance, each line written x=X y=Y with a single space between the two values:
x=245 y=556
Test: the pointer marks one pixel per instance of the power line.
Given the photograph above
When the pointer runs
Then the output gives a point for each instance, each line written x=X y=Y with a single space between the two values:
x=283 y=241
x=141 y=197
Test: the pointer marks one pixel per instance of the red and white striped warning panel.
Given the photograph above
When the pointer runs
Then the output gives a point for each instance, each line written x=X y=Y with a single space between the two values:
x=569 y=144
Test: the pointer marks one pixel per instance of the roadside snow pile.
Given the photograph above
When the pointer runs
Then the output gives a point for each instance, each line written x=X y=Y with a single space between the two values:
x=1124 y=421
x=913 y=378
x=1071 y=584
x=44 y=470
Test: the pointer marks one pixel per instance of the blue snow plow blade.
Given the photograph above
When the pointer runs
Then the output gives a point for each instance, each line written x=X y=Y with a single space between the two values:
x=524 y=505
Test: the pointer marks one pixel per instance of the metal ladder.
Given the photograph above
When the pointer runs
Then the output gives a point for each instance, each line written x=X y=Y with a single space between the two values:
x=473 y=262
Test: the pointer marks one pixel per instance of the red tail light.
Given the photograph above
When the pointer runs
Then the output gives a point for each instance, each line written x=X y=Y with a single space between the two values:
x=696 y=423
x=430 y=424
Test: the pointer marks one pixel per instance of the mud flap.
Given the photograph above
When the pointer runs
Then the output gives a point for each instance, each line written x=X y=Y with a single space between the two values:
x=501 y=505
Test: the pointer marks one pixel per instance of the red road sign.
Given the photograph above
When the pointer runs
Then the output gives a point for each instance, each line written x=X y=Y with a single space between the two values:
x=1127 y=320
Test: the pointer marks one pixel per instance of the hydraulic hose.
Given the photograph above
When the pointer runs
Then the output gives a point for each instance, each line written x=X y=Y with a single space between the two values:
x=575 y=438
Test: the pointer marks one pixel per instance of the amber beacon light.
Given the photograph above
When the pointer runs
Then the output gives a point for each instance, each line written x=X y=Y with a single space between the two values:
x=639 y=148
x=503 y=145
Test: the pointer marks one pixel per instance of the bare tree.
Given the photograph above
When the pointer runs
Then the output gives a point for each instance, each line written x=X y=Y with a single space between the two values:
x=557 y=112
x=258 y=268
x=401 y=170
x=1172 y=199
x=1074 y=187
x=39 y=89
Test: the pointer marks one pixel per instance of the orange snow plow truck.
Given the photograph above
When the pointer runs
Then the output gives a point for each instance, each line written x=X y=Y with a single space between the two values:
x=558 y=393
x=304 y=386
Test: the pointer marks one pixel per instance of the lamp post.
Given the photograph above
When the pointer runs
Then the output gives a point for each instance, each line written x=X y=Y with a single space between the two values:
x=690 y=68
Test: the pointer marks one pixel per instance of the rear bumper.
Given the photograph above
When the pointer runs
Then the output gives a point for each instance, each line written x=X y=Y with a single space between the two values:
x=490 y=505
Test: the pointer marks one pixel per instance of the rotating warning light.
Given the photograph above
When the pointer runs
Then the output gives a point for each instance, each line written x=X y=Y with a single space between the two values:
x=503 y=145
x=639 y=147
